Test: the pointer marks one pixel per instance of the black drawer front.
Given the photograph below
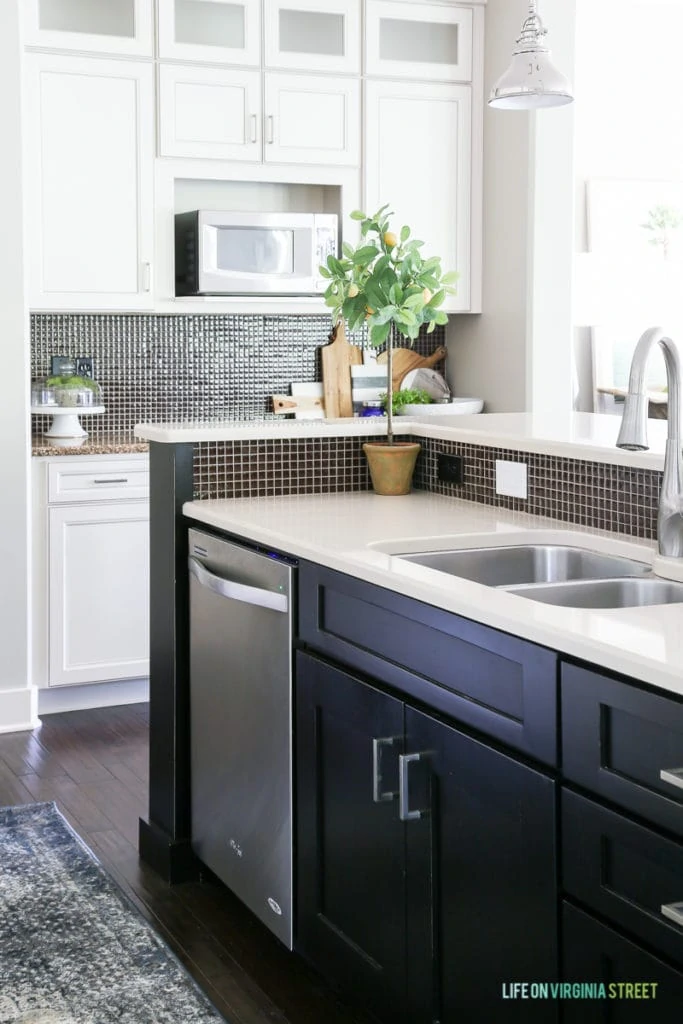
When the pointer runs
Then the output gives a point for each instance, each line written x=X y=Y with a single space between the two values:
x=595 y=953
x=616 y=738
x=624 y=871
x=505 y=687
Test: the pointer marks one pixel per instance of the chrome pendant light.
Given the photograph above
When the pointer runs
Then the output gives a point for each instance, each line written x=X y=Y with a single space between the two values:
x=532 y=81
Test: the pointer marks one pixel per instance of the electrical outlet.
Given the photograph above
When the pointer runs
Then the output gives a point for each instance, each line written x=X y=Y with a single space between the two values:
x=449 y=468
x=58 y=364
x=84 y=366
x=511 y=478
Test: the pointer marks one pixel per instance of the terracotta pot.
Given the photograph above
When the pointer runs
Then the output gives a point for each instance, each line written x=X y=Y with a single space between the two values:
x=391 y=465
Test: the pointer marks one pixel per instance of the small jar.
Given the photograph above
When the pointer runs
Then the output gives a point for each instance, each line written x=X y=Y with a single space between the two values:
x=372 y=409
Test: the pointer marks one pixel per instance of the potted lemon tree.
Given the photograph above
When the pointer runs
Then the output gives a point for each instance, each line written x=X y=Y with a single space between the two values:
x=386 y=282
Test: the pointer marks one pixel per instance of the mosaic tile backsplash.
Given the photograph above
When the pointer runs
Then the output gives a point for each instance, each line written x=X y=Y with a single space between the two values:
x=161 y=369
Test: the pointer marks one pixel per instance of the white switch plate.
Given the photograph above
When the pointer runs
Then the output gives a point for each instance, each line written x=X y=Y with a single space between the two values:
x=511 y=478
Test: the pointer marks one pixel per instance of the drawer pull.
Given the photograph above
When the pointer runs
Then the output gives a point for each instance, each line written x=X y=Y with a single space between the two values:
x=674 y=911
x=674 y=776
x=404 y=812
x=377 y=795
x=113 y=480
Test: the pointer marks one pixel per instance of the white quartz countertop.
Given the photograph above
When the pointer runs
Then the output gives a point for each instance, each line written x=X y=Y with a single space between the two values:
x=357 y=533
x=574 y=435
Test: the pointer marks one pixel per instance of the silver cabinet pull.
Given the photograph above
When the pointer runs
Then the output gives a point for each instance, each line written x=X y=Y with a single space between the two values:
x=271 y=129
x=113 y=480
x=404 y=812
x=377 y=744
x=146 y=277
x=254 y=128
x=674 y=776
x=237 y=591
x=674 y=911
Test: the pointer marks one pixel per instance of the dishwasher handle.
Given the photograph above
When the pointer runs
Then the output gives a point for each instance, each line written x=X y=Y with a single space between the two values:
x=237 y=591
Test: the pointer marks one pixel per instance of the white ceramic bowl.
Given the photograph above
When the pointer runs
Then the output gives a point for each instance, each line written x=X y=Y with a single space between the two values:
x=456 y=406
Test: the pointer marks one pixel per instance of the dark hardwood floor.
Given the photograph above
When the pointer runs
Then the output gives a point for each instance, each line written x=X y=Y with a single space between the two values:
x=93 y=764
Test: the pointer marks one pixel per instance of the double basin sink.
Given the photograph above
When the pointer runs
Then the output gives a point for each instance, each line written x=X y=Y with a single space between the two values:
x=556 y=574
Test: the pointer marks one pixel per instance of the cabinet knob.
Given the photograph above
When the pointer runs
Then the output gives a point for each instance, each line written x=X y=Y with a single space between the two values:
x=674 y=911
x=377 y=745
x=404 y=763
x=674 y=776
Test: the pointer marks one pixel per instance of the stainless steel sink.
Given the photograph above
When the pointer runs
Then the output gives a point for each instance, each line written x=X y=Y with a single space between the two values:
x=615 y=593
x=528 y=563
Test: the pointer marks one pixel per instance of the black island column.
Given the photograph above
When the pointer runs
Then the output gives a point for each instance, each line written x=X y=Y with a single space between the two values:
x=165 y=837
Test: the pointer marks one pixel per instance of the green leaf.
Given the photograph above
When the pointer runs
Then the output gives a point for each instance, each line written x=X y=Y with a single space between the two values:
x=414 y=301
x=379 y=334
x=441 y=318
x=348 y=250
x=437 y=299
x=432 y=327
x=324 y=272
x=364 y=255
x=357 y=215
x=383 y=316
x=405 y=233
x=451 y=277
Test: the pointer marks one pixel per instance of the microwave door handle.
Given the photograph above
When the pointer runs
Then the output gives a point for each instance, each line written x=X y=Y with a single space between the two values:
x=237 y=591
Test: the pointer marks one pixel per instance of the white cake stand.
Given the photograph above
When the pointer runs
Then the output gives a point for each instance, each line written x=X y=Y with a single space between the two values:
x=65 y=422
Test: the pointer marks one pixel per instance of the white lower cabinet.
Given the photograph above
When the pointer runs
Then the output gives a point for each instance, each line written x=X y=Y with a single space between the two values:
x=90 y=570
x=428 y=187
x=99 y=584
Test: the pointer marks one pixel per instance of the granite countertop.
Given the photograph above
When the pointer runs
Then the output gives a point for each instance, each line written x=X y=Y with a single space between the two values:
x=112 y=444
x=357 y=533
x=589 y=436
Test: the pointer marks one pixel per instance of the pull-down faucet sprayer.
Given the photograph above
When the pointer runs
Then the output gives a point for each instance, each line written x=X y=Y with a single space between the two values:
x=633 y=437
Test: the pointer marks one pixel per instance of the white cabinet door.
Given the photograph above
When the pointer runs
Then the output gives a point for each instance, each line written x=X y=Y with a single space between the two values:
x=209 y=113
x=112 y=26
x=310 y=35
x=98 y=592
x=214 y=31
x=418 y=41
x=428 y=188
x=89 y=174
x=312 y=120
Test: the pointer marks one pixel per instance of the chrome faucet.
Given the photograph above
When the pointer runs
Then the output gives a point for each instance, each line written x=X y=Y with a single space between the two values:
x=633 y=436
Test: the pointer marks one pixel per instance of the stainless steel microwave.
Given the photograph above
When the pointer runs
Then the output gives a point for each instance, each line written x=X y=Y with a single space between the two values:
x=235 y=253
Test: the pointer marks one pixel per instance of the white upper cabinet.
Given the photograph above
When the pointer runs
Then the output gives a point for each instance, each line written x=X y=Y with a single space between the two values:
x=89 y=176
x=418 y=41
x=428 y=189
x=213 y=31
x=311 y=35
x=209 y=113
x=312 y=119
x=113 y=26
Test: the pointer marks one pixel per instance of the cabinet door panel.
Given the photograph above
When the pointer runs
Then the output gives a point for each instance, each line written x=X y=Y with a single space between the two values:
x=99 y=592
x=483 y=856
x=418 y=41
x=312 y=120
x=310 y=36
x=616 y=740
x=217 y=31
x=89 y=172
x=350 y=866
x=208 y=113
x=117 y=26
x=593 y=952
x=429 y=191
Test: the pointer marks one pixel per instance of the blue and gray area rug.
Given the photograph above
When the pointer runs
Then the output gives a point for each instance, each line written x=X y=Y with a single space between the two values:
x=73 y=950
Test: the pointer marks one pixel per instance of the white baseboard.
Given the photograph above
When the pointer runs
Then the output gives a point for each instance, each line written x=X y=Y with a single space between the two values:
x=98 y=695
x=18 y=710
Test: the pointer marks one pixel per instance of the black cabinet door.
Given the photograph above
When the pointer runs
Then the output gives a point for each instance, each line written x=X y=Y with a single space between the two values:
x=639 y=987
x=350 y=841
x=482 y=904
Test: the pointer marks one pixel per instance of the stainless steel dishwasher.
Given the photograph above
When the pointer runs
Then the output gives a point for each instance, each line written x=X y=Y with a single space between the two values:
x=241 y=722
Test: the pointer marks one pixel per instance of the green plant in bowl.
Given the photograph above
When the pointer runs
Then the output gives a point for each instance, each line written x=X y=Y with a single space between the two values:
x=411 y=396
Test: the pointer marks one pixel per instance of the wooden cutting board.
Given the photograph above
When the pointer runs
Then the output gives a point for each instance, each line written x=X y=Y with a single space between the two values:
x=308 y=406
x=405 y=360
x=337 y=359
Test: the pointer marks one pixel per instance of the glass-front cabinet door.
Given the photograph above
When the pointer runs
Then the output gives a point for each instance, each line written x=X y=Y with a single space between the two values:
x=214 y=31
x=313 y=35
x=428 y=41
x=114 y=26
